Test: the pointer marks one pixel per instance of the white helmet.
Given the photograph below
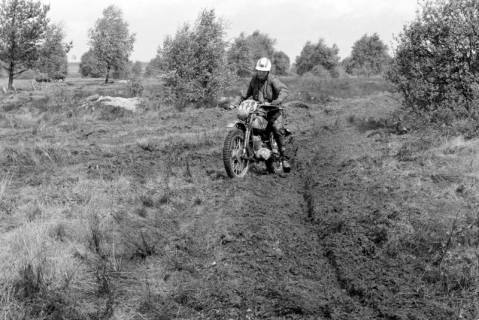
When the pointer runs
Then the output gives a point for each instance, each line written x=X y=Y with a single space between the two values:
x=263 y=64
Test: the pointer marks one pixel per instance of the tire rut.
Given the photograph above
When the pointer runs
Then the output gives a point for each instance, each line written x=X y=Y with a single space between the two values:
x=321 y=161
x=272 y=246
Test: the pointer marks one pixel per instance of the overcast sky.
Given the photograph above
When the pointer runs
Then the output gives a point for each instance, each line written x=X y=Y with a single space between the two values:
x=291 y=23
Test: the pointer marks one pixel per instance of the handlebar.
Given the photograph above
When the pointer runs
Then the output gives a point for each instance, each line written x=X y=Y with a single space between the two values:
x=270 y=106
x=264 y=106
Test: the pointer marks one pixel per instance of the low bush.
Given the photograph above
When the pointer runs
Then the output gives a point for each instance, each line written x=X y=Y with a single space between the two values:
x=435 y=67
x=195 y=62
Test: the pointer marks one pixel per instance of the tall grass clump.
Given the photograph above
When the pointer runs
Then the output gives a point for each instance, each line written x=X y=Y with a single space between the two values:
x=36 y=272
x=435 y=67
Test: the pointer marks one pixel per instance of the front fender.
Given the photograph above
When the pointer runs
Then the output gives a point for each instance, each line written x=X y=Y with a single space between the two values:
x=238 y=124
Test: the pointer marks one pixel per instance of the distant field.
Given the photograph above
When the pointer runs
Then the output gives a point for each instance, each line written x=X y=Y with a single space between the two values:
x=20 y=84
x=73 y=70
x=31 y=84
x=73 y=73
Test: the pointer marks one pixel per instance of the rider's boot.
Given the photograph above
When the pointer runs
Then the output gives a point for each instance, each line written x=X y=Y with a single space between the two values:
x=285 y=163
x=279 y=137
x=282 y=154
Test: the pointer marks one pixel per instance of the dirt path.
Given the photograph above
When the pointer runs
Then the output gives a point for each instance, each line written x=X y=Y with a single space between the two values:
x=269 y=253
x=318 y=244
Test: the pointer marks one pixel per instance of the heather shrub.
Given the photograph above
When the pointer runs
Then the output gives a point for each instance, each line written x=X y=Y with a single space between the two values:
x=317 y=54
x=435 y=67
x=369 y=57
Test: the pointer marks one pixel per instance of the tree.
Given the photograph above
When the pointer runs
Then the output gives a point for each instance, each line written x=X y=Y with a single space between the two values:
x=156 y=65
x=90 y=66
x=369 y=56
x=111 y=40
x=23 y=24
x=261 y=45
x=317 y=54
x=246 y=50
x=239 y=57
x=194 y=61
x=123 y=71
x=52 y=59
x=280 y=63
x=436 y=62
x=137 y=69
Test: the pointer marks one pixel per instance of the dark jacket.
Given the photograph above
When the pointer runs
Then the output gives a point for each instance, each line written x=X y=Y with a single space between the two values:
x=269 y=90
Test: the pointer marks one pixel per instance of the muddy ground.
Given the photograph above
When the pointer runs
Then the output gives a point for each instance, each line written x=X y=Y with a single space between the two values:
x=370 y=224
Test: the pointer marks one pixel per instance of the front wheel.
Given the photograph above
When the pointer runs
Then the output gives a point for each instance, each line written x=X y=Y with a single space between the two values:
x=234 y=159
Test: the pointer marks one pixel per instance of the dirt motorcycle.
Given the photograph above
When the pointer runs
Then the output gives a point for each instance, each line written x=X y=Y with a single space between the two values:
x=251 y=140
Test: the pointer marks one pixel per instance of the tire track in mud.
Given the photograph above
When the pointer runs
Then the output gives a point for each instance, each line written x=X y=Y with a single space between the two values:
x=272 y=256
x=319 y=171
x=354 y=214
x=320 y=175
x=281 y=247
x=311 y=245
x=348 y=218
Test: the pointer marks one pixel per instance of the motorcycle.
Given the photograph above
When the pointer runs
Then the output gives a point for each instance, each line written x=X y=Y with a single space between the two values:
x=250 y=140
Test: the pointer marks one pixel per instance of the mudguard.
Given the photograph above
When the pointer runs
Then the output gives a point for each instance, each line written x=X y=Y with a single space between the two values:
x=237 y=124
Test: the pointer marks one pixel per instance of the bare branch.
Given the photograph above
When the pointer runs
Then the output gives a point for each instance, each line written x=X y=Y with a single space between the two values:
x=19 y=72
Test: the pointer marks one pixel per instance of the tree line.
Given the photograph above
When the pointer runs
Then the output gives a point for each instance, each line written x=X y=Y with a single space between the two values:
x=29 y=40
x=197 y=63
x=369 y=57
x=434 y=66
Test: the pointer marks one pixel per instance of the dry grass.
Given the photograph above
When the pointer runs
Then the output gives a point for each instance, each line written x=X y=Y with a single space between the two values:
x=443 y=226
x=132 y=217
x=73 y=248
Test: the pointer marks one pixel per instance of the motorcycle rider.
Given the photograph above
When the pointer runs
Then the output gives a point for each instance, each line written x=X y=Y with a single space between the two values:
x=267 y=89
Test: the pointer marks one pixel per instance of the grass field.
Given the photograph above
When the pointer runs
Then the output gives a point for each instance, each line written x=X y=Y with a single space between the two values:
x=112 y=214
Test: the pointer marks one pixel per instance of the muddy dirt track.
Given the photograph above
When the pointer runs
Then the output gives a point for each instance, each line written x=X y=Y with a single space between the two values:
x=338 y=238
x=311 y=244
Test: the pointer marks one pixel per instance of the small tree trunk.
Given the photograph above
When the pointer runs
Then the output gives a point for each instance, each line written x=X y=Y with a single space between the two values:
x=11 y=70
x=107 y=73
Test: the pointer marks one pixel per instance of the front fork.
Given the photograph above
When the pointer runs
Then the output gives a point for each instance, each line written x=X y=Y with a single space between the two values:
x=247 y=136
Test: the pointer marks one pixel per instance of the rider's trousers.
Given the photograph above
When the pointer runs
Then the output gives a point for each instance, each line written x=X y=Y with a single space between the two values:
x=276 y=123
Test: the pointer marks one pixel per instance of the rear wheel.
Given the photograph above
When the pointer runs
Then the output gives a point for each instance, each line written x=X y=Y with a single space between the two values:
x=233 y=156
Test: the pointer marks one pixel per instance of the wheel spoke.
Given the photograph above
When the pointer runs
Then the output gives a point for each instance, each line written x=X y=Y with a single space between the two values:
x=238 y=165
